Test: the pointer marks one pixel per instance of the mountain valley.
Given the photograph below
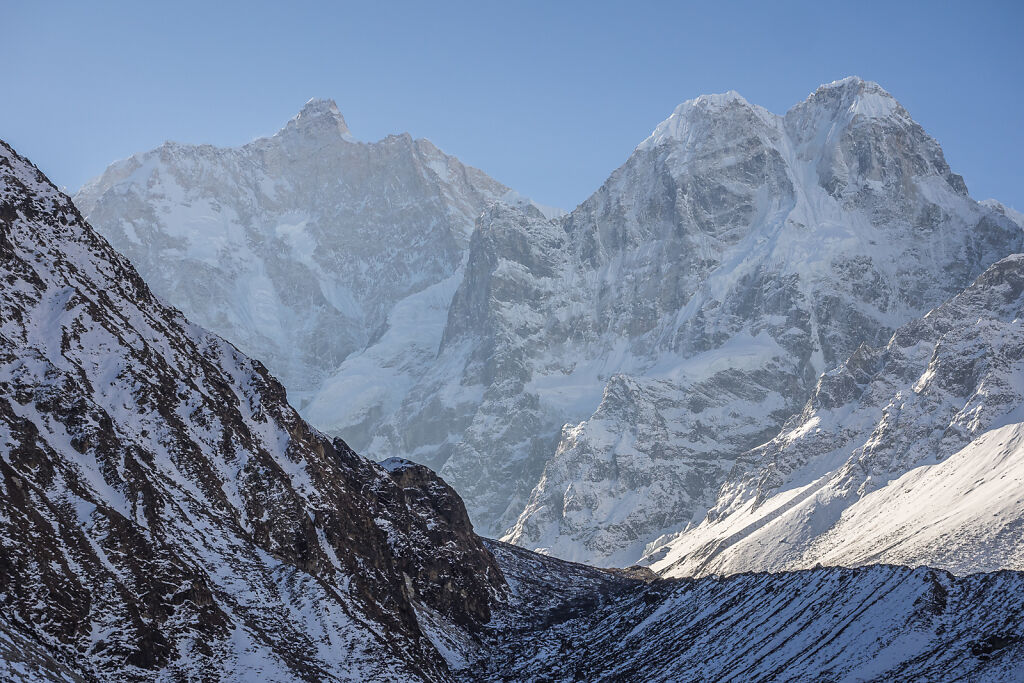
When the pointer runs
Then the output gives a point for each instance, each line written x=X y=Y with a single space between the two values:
x=165 y=514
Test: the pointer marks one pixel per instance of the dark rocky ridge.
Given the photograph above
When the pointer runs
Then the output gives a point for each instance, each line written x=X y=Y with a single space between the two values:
x=150 y=469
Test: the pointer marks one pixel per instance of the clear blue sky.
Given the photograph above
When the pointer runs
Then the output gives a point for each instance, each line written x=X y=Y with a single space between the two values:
x=548 y=97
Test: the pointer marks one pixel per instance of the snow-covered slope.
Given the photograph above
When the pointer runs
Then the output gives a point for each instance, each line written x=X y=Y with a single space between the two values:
x=294 y=247
x=741 y=254
x=682 y=313
x=912 y=453
x=880 y=623
x=165 y=513
x=585 y=382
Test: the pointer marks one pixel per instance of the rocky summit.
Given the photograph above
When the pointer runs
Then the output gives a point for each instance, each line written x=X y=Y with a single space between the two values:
x=295 y=247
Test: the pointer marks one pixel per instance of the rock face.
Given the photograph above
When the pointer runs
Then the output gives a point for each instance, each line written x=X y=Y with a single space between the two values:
x=586 y=383
x=163 y=510
x=740 y=254
x=166 y=515
x=294 y=247
x=681 y=314
x=912 y=452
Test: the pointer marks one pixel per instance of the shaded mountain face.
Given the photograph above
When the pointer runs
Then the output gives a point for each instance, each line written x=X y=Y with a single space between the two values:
x=294 y=247
x=163 y=508
x=912 y=452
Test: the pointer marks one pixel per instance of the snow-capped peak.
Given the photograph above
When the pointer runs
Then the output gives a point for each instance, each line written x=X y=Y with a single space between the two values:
x=857 y=96
x=852 y=81
x=838 y=102
x=682 y=124
x=1011 y=213
x=320 y=114
x=835 y=108
x=715 y=100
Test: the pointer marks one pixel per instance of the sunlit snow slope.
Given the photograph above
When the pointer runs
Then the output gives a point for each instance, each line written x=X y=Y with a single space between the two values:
x=912 y=452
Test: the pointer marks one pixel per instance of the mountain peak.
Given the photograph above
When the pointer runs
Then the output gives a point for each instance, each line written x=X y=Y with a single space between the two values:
x=858 y=96
x=320 y=115
x=722 y=99
x=711 y=102
x=319 y=105
x=857 y=85
x=681 y=124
